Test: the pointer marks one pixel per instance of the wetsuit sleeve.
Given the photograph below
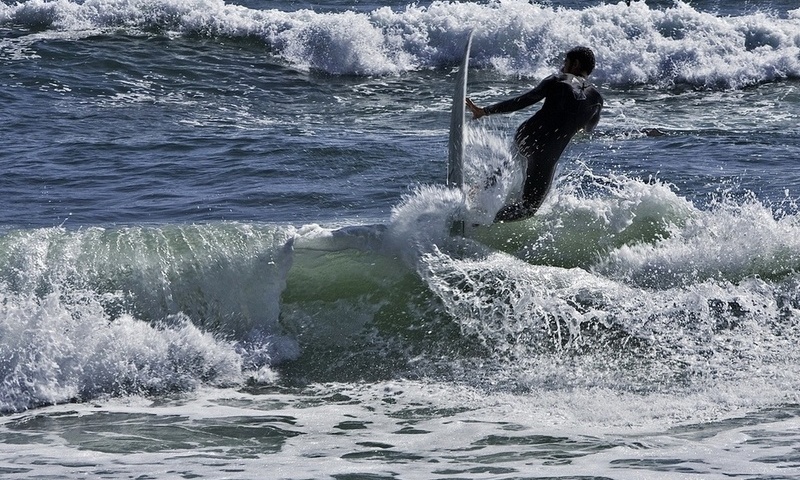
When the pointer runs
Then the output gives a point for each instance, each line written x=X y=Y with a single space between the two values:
x=595 y=119
x=524 y=100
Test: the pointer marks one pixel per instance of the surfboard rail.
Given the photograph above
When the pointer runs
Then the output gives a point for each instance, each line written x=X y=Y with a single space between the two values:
x=455 y=150
x=455 y=147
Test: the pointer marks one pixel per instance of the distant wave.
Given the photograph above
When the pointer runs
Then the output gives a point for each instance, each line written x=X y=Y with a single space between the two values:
x=636 y=45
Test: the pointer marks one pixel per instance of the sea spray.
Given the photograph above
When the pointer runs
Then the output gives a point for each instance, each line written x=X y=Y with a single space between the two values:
x=493 y=172
x=556 y=328
x=588 y=215
x=424 y=219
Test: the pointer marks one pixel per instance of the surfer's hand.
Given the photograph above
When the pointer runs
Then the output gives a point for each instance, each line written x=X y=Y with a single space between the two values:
x=477 y=112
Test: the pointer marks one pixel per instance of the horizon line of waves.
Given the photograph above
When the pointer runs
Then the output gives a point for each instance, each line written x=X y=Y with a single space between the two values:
x=636 y=45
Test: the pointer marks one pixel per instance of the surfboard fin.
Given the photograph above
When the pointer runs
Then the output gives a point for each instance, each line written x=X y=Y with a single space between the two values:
x=457 y=228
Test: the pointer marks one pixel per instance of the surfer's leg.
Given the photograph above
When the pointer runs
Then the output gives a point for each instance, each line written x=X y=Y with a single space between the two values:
x=530 y=203
x=538 y=178
x=513 y=212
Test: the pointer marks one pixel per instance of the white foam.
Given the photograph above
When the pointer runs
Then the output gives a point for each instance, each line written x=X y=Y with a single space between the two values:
x=63 y=346
x=423 y=219
x=397 y=424
x=138 y=310
x=729 y=242
x=651 y=293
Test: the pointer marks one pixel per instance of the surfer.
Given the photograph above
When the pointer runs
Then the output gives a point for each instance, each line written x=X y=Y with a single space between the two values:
x=571 y=103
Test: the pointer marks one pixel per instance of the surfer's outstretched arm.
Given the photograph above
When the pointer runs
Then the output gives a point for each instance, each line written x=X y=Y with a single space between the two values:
x=517 y=103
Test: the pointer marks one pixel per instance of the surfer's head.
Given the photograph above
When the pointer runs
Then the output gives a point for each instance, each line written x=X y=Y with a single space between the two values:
x=579 y=61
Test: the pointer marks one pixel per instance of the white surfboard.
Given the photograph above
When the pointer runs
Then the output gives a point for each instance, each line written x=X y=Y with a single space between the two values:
x=455 y=150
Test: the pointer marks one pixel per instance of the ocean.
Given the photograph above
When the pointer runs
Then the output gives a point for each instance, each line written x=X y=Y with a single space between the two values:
x=225 y=244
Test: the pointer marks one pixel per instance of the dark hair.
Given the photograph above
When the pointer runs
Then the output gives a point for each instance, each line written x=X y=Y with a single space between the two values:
x=584 y=56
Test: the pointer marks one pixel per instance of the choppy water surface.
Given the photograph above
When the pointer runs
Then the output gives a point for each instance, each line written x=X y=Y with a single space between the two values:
x=225 y=249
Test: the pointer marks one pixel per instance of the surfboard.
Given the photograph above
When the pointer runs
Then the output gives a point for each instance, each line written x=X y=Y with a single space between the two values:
x=455 y=149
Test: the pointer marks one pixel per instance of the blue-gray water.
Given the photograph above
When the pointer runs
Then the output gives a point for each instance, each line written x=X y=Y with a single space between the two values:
x=224 y=247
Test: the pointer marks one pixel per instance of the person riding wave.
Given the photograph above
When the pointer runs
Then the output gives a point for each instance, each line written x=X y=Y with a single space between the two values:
x=571 y=104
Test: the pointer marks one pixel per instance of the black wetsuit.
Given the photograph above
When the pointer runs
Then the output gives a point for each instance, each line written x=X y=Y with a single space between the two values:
x=571 y=103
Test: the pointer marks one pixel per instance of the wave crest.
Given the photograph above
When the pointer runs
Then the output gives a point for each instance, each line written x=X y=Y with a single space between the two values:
x=635 y=45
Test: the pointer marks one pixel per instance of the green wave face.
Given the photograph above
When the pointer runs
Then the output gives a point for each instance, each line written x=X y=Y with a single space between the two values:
x=616 y=283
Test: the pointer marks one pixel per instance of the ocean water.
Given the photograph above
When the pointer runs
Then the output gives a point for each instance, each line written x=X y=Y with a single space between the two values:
x=225 y=249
